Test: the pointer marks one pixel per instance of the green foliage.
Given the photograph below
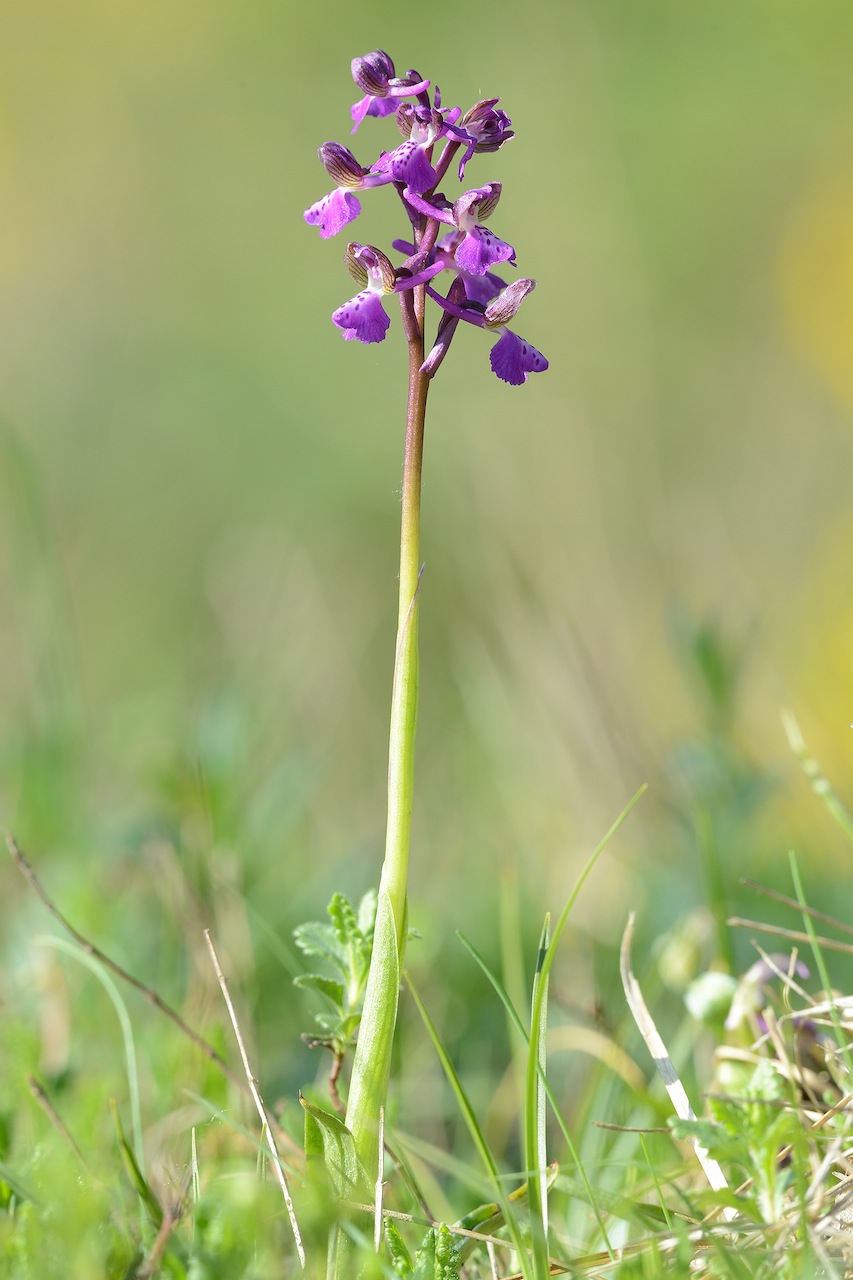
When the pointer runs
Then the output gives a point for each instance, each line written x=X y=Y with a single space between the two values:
x=752 y=1132
x=330 y=1152
x=345 y=945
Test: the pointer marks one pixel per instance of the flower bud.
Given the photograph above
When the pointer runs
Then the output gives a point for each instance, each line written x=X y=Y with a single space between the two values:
x=478 y=204
x=507 y=303
x=368 y=266
x=405 y=118
x=490 y=128
x=341 y=165
x=372 y=73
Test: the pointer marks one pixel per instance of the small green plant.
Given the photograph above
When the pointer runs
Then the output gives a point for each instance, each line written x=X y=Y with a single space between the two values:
x=345 y=944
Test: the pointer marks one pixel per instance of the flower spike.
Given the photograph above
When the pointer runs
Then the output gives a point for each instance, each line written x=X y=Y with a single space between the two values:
x=432 y=135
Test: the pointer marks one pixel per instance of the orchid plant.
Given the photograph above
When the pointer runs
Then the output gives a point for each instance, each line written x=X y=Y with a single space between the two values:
x=442 y=236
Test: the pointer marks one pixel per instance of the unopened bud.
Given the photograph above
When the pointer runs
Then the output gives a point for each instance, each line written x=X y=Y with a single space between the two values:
x=341 y=165
x=372 y=73
x=368 y=265
x=489 y=127
x=507 y=303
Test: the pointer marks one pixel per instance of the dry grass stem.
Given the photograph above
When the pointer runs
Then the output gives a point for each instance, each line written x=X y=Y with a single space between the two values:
x=266 y=1123
x=677 y=1093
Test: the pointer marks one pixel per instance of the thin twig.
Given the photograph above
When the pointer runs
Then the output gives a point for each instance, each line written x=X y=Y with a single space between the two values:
x=380 y=1175
x=334 y=1077
x=796 y=906
x=40 y=1094
x=89 y=947
x=266 y=1122
x=171 y=1217
x=793 y=935
x=399 y=1216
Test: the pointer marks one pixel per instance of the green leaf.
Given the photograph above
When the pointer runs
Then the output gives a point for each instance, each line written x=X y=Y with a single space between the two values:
x=326 y=1135
x=346 y=929
x=474 y=1129
x=401 y=1259
x=328 y=987
x=425 y=1258
x=316 y=938
x=134 y=1173
x=367 y=913
x=446 y=1258
x=534 y=1127
x=372 y=1065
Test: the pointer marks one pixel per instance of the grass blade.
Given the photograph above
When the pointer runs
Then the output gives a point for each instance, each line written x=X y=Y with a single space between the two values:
x=555 y=1106
x=535 y=1137
x=94 y=964
x=475 y=1131
x=818 y=781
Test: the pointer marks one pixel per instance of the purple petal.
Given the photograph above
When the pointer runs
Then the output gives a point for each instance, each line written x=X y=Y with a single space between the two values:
x=419 y=277
x=481 y=249
x=408 y=88
x=333 y=212
x=409 y=164
x=512 y=359
x=437 y=207
x=483 y=288
x=370 y=106
x=363 y=318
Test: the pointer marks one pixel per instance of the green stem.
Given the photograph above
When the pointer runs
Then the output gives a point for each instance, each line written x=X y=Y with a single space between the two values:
x=372 y=1062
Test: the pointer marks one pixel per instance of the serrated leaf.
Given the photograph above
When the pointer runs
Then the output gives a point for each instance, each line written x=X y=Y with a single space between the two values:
x=316 y=938
x=328 y=987
x=401 y=1259
x=425 y=1258
x=446 y=1257
x=718 y=1142
x=346 y=928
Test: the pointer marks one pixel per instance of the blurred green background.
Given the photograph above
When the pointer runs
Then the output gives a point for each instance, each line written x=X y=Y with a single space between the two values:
x=632 y=562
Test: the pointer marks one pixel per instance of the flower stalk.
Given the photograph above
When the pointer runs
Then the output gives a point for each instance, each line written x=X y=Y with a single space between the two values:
x=433 y=136
x=372 y=1063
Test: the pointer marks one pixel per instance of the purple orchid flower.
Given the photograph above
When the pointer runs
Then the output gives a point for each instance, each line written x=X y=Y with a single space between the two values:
x=375 y=74
x=410 y=163
x=512 y=358
x=334 y=211
x=478 y=288
x=479 y=248
x=364 y=317
x=486 y=130
x=469 y=250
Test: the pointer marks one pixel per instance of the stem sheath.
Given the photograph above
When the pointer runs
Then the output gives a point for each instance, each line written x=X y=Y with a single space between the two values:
x=372 y=1063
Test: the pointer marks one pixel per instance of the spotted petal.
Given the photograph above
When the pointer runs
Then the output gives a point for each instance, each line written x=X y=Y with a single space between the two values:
x=363 y=318
x=333 y=212
x=512 y=359
x=482 y=249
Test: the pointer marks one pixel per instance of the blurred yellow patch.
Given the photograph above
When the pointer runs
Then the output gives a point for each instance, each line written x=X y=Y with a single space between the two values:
x=816 y=278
